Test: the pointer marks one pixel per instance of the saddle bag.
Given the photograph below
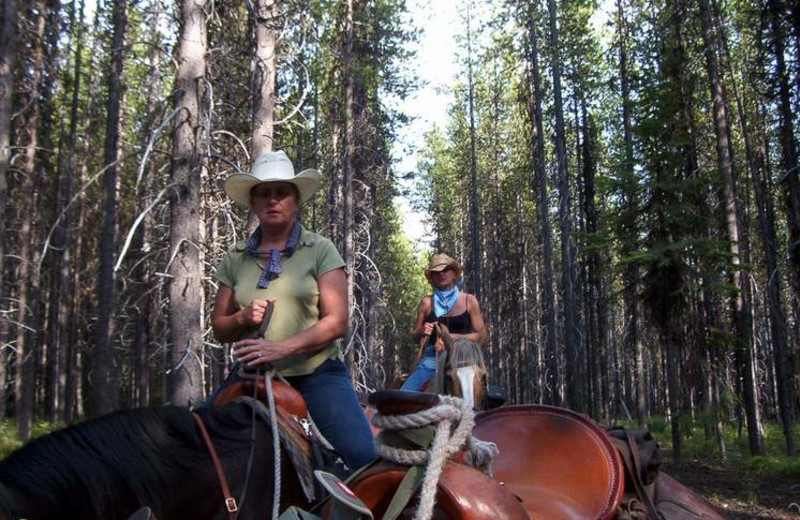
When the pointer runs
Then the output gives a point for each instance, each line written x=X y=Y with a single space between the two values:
x=649 y=493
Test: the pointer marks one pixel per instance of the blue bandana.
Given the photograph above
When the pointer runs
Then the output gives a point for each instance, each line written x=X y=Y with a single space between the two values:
x=444 y=301
x=272 y=268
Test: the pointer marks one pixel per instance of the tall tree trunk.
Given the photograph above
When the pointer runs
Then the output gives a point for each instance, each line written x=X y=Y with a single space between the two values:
x=537 y=150
x=185 y=384
x=597 y=300
x=105 y=388
x=632 y=335
x=8 y=53
x=26 y=355
x=777 y=317
x=672 y=342
x=739 y=302
x=572 y=344
x=762 y=187
x=790 y=177
x=348 y=148
x=48 y=351
x=60 y=260
x=263 y=70
x=143 y=272
x=474 y=207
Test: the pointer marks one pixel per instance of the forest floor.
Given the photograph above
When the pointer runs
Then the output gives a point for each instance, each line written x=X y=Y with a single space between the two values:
x=740 y=494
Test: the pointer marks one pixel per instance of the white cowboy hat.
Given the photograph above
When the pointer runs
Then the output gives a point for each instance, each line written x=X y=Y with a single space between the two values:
x=271 y=167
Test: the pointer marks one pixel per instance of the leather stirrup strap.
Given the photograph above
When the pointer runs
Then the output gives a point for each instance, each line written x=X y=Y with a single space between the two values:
x=633 y=462
x=230 y=502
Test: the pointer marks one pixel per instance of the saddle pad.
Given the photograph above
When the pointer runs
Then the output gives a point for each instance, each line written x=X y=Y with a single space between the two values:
x=559 y=463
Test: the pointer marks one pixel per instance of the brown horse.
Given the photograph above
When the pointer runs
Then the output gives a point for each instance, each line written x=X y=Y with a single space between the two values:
x=108 y=468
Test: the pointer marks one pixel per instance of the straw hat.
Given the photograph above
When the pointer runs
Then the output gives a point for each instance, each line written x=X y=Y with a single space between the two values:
x=271 y=167
x=439 y=263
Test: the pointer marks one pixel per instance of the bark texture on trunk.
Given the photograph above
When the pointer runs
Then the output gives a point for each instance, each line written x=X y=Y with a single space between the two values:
x=549 y=319
x=263 y=72
x=105 y=388
x=8 y=54
x=740 y=304
x=572 y=344
x=349 y=150
x=474 y=208
x=26 y=352
x=185 y=378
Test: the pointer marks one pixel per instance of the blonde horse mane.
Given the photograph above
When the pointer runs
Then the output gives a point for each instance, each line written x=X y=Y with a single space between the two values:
x=465 y=353
x=462 y=355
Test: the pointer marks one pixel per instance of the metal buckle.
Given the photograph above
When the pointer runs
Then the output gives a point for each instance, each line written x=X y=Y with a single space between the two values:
x=230 y=503
x=305 y=424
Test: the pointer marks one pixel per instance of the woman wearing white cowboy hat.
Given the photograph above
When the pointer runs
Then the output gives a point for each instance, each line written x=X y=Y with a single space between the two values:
x=447 y=306
x=303 y=274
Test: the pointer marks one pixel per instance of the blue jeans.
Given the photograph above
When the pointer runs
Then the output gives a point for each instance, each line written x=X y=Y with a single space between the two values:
x=334 y=407
x=425 y=371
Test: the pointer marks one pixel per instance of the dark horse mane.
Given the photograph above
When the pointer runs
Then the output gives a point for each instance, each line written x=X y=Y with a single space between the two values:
x=84 y=470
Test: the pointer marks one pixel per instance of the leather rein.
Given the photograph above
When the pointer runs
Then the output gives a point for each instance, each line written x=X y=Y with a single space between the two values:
x=230 y=501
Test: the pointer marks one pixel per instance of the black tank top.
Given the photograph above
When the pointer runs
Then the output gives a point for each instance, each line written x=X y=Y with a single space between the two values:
x=458 y=324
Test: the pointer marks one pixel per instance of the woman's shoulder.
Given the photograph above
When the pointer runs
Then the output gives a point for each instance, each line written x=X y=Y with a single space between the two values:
x=470 y=299
x=315 y=240
x=426 y=303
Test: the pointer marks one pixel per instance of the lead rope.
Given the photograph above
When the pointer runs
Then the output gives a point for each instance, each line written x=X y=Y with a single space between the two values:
x=273 y=416
x=276 y=445
x=446 y=442
x=276 y=448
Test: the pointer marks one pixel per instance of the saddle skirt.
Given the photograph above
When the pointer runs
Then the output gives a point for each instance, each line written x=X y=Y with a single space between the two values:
x=560 y=464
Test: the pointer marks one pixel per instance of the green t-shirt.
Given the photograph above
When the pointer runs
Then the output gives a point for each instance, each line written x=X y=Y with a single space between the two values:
x=296 y=294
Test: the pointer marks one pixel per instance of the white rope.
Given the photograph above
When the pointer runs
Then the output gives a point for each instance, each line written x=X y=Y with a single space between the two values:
x=454 y=420
x=276 y=446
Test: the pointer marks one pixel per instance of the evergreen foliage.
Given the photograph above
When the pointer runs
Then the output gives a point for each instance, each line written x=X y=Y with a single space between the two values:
x=629 y=236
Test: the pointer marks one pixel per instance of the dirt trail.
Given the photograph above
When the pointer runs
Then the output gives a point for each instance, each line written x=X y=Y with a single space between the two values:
x=741 y=496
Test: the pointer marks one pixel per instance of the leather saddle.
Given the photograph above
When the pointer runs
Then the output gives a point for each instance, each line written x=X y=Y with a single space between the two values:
x=560 y=464
x=456 y=496
x=298 y=436
x=290 y=405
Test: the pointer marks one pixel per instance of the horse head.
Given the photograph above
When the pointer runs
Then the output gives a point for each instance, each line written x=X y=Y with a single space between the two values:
x=466 y=372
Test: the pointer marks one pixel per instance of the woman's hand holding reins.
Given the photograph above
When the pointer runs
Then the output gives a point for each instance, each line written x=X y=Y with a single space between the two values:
x=427 y=328
x=252 y=314
x=256 y=352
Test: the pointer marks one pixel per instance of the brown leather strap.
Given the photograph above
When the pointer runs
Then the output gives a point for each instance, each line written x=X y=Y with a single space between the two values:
x=230 y=502
x=630 y=458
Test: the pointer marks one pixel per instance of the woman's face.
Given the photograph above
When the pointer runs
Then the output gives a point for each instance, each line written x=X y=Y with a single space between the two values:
x=274 y=203
x=444 y=279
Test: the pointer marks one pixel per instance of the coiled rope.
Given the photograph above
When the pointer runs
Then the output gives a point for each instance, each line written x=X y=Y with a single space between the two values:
x=453 y=419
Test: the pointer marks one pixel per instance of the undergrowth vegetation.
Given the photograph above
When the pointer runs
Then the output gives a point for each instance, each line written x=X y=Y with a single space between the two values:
x=8 y=435
x=698 y=444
